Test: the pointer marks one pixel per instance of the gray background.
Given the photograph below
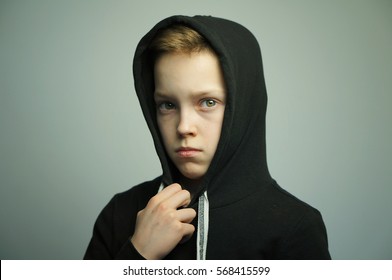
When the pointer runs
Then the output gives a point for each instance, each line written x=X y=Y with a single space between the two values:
x=72 y=133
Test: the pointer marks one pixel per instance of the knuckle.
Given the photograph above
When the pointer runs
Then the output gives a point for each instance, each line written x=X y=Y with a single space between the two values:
x=140 y=213
x=162 y=207
x=153 y=201
x=171 y=215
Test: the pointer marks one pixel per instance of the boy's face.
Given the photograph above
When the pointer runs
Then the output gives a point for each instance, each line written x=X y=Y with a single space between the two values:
x=190 y=98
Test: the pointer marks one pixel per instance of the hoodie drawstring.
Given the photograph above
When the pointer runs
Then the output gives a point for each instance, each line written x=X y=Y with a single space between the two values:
x=202 y=225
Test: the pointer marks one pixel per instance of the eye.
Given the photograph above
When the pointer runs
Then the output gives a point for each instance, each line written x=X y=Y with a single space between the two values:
x=208 y=103
x=166 y=106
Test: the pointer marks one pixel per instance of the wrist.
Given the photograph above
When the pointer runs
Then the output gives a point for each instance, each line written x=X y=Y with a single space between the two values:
x=141 y=249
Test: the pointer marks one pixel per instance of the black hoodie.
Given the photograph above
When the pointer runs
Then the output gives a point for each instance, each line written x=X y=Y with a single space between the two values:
x=246 y=215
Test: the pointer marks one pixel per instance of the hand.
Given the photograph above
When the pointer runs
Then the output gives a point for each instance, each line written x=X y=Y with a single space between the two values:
x=161 y=225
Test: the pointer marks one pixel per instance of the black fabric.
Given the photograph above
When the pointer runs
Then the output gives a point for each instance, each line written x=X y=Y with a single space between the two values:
x=251 y=217
x=116 y=224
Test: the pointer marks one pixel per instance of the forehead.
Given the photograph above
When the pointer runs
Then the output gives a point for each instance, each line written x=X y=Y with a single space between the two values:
x=187 y=72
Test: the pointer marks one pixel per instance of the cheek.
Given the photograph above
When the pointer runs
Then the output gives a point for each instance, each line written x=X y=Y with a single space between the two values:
x=165 y=128
x=217 y=121
x=213 y=132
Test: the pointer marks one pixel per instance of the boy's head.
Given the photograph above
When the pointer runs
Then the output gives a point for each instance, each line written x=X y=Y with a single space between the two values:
x=190 y=99
x=228 y=129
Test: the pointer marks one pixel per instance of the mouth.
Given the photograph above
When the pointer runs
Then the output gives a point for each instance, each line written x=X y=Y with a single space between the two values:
x=187 y=152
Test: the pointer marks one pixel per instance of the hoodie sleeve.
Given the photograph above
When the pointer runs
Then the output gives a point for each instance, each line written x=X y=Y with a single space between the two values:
x=116 y=224
x=307 y=241
x=104 y=244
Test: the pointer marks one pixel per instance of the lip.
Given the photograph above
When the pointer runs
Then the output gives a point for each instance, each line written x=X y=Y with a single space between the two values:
x=187 y=152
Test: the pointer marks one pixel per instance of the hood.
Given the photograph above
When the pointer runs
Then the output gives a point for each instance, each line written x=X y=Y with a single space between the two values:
x=239 y=167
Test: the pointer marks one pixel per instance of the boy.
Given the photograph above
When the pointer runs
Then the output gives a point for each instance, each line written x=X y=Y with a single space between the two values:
x=200 y=84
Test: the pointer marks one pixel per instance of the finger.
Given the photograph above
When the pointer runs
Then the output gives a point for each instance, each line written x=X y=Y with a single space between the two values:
x=186 y=215
x=170 y=190
x=166 y=193
x=178 y=199
x=185 y=238
x=188 y=230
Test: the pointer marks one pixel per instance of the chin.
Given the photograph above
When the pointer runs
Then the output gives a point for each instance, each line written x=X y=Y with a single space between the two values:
x=192 y=176
x=195 y=175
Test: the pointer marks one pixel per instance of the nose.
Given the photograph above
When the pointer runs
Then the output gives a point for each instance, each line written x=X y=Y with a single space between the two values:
x=187 y=124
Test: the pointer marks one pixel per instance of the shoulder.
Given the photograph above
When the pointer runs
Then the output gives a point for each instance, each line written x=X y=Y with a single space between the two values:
x=287 y=213
x=143 y=189
x=116 y=222
x=284 y=202
x=131 y=200
x=304 y=235
x=120 y=212
x=138 y=195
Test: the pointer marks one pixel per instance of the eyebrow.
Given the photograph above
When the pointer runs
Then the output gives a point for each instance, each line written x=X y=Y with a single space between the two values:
x=199 y=93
